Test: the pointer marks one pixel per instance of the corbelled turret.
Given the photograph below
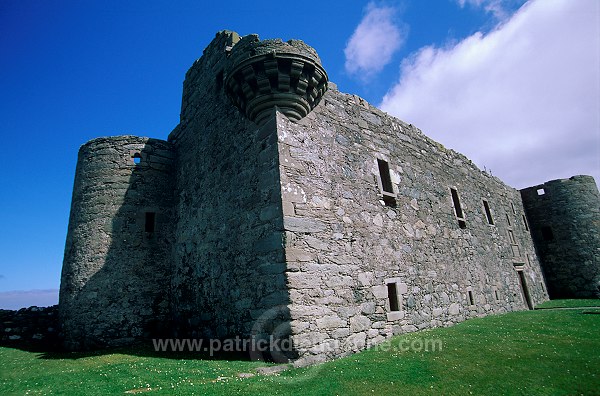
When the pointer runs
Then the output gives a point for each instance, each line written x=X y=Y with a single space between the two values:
x=266 y=74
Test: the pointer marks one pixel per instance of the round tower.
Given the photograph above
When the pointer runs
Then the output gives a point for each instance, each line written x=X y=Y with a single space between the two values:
x=564 y=218
x=117 y=251
x=262 y=75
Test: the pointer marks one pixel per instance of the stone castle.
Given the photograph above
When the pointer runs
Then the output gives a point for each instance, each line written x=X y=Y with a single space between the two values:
x=280 y=205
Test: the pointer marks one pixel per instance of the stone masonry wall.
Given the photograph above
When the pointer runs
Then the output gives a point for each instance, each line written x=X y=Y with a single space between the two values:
x=344 y=245
x=33 y=328
x=565 y=224
x=118 y=243
x=228 y=256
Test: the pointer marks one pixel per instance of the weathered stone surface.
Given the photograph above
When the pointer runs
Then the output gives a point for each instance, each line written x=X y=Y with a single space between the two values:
x=330 y=322
x=32 y=328
x=359 y=323
x=337 y=226
x=565 y=224
x=115 y=255
x=298 y=224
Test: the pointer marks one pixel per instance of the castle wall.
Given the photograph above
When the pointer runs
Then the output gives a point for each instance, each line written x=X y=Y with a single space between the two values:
x=228 y=256
x=344 y=245
x=118 y=243
x=565 y=224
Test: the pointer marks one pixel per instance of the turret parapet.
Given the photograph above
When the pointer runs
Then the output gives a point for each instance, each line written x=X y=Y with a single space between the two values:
x=266 y=74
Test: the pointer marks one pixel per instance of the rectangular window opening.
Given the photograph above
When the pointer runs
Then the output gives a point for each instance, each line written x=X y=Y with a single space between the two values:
x=471 y=301
x=389 y=197
x=525 y=223
x=384 y=175
x=458 y=209
x=393 y=296
x=488 y=213
x=541 y=191
x=547 y=233
x=150 y=222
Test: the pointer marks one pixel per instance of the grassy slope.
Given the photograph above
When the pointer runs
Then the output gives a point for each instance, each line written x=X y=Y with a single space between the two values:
x=547 y=352
x=569 y=304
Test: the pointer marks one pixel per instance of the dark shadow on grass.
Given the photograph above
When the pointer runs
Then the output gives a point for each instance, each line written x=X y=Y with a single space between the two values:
x=53 y=351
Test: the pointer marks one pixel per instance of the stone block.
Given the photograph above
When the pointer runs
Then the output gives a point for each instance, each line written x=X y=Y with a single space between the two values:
x=309 y=311
x=356 y=342
x=365 y=278
x=340 y=333
x=330 y=322
x=395 y=315
x=299 y=224
x=359 y=323
x=295 y=254
x=380 y=291
x=454 y=309
x=301 y=280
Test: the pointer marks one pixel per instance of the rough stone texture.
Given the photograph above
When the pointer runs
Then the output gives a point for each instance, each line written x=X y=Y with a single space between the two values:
x=329 y=161
x=289 y=227
x=268 y=73
x=569 y=210
x=33 y=328
x=114 y=272
x=228 y=260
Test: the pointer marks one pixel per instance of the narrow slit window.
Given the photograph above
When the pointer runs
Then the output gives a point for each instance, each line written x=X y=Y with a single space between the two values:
x=512 y=206
x=389 y=198
x=508 y=219
x=496 y=293
x=384 y=174
x=458 y=209
x=137 y=158
x=525 y=223
x=393 y=296
x=547 y=233
x=150 y=222
x=471 y=301
x=511 y=236
x=488 y=213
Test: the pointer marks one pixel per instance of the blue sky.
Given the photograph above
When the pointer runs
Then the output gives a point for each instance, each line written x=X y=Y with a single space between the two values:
x=513 y=86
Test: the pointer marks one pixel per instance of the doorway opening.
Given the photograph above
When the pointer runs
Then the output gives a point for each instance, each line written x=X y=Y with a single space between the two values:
x=524 y=289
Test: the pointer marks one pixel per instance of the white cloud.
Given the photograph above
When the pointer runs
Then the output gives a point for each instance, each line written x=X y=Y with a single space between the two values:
x=496 y=7
x=374 y=41
x=522 y=101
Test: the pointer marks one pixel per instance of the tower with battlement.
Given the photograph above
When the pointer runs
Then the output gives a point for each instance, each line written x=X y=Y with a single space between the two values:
x=280 y=206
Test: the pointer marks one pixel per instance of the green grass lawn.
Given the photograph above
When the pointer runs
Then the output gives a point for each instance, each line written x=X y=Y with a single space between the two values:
x=569 y=304
x=545 y=352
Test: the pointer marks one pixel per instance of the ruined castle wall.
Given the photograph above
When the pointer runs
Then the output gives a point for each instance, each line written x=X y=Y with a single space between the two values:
x=565 y=224
x=228 y=257
x=347 y=249
x=118 y=242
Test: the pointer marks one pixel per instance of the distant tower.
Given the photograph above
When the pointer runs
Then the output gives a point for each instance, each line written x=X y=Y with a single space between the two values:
x=115 y=275
x=564 y=216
